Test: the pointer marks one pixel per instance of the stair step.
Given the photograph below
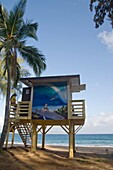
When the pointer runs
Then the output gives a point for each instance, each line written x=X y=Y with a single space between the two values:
x=24 y=132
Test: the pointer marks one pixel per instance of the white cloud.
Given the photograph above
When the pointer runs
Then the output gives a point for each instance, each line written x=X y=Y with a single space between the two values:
x=106 y=119
x=98 y=123
x=102 y=119
x=107 y=39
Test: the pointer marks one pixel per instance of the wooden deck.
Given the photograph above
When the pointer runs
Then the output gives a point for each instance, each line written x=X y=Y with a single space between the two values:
x=21 y=120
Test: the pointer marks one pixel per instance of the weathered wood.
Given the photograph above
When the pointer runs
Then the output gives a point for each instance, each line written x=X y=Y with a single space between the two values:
x=34 y=138
x=72 y=79
x=77 y=88
x=74 y=148
x=76 y=116
x=13 y=134
x=24 y=110
x=65 y=129
x=71 y=139
x=76 y=109
x=43 y=136
x=48 y=129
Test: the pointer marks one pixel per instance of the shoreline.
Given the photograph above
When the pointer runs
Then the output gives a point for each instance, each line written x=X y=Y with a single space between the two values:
x=80 y=149
x=83 y=149
x=60 y=145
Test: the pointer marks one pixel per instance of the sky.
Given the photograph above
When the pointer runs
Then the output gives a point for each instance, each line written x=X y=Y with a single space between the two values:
x=71 y=44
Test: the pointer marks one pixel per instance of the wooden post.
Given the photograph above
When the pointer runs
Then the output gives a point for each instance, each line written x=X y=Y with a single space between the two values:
x=43 y=136
x=37 y=135
x=74 y=148
x=71 y=139
x=13 y=135
x=34 y=138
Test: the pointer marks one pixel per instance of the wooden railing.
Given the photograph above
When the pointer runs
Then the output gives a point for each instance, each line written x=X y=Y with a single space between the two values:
x=13 y=109
x=24 y=110
x=76 y=109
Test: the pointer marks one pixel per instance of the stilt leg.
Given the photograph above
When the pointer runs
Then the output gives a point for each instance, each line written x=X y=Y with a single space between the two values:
x=13 y=134
x=43 y=136
x=74 y=148
x=71 y=139
x=34 y=138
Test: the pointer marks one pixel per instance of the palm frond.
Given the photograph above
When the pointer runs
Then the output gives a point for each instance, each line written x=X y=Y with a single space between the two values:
x=4 y=15
x=8 y=45
x=16 y=16
x=3 y=33
x=24 y=73
x=28 y=29
x=18 y=88
x=1 y=46
x=3 y=21
x=13 y=34
x=34 y=58
x=3 y=63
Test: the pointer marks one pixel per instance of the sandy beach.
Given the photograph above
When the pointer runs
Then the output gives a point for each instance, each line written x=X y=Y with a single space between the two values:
x=56 y=158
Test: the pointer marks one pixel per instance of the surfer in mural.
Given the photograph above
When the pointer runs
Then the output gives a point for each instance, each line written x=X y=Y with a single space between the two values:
x=45 y=107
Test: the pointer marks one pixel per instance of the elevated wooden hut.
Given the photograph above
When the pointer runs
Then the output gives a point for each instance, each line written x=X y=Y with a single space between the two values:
x=48 y=102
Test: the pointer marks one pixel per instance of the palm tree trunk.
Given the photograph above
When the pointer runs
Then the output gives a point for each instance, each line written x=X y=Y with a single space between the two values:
x=6 y=118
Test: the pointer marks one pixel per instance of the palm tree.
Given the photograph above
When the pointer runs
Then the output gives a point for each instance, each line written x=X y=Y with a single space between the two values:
x=3 y=80
x=13 y=34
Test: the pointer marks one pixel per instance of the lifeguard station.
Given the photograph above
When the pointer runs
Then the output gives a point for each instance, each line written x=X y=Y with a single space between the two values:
x=48 y=102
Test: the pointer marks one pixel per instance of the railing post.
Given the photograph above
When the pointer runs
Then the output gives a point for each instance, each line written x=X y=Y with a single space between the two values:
x=84 y=109
x=69 y=109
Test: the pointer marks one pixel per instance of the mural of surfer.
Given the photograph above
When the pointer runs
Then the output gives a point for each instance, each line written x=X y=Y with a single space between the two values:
x=50 y=101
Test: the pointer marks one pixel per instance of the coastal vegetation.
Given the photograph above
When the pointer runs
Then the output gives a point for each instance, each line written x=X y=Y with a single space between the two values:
x=14 y=32
x=102 y=10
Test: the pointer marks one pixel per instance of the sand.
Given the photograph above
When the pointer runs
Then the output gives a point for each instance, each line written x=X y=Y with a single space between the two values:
x=56 y=158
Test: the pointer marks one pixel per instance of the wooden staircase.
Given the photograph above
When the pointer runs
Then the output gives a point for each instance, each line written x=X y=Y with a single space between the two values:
x=24 y=130
x=18 y=112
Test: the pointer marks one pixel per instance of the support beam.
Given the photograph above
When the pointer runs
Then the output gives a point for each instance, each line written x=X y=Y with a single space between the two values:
x=71 y=139
x=34 y=138
x=43 y=136
x=39 y=130
x=65 y=129
x=48 y=129
x=74 y=148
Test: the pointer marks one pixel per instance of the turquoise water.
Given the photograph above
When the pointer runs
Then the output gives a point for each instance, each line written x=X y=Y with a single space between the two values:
x=81 y=139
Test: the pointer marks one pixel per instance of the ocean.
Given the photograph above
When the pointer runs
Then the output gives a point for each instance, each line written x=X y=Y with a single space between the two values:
x=80 y=139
